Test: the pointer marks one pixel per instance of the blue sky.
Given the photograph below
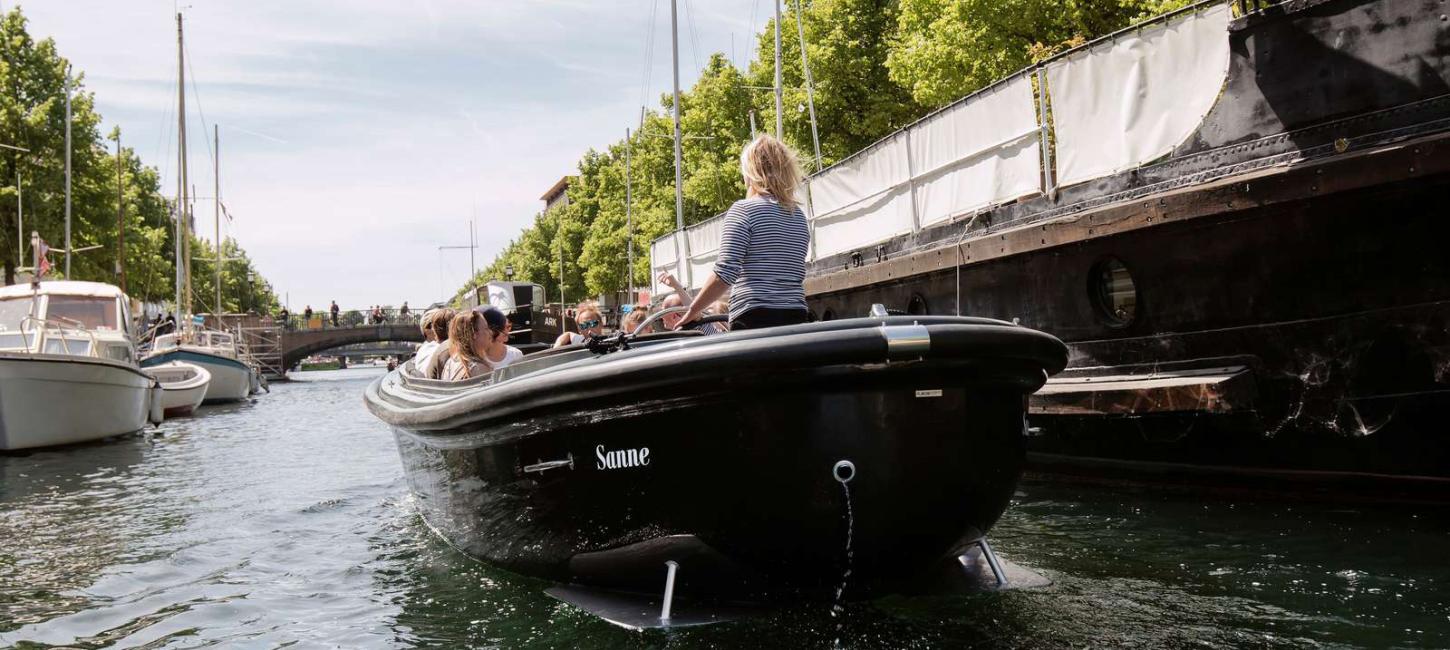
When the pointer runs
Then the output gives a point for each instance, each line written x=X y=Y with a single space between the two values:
x=359 y=136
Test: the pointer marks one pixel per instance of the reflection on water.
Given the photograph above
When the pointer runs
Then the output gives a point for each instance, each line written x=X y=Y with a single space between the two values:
x=286 y=521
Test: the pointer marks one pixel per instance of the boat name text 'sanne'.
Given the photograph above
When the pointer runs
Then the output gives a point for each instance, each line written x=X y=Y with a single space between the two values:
x=621 y=458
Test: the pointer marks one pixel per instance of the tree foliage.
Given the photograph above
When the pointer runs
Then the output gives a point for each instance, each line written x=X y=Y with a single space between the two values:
x=877 y=65
x=32 y=116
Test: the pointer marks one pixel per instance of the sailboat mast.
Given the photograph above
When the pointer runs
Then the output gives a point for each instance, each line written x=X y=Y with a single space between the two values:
x=180 y=165
x=628 y=217
x=680 y=241
x=779 y=112
x=120 y=215
x=806 y=69
x=216 y=153
x=186 y=208
x=67 y=173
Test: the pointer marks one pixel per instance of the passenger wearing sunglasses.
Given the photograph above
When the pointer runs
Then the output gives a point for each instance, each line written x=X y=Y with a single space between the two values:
x=590 y=323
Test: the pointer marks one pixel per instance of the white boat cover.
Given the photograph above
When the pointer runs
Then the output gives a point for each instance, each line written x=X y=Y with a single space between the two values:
x=1131 y=100
x=1118 y=104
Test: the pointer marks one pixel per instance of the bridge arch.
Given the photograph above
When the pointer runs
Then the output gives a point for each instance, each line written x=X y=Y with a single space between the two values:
x=300 y=344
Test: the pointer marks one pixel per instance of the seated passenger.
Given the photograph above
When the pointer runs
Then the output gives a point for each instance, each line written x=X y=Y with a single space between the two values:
x=479 y=339
x=633 y=319
x=670 y=321
x=429 y=359
x=590 y=323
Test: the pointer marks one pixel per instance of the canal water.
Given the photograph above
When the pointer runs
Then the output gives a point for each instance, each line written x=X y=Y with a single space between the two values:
x=286 y=522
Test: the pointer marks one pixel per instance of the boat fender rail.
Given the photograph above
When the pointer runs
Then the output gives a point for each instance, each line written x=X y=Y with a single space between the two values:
x=906 y=341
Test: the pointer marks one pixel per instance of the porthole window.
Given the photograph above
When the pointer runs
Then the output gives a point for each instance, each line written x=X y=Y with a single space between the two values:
x=916 y=306
x=1114 y=295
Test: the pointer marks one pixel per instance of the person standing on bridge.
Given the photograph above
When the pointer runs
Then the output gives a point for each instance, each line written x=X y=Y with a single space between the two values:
x=307 y=317
x=403 y=311
x=334 y=311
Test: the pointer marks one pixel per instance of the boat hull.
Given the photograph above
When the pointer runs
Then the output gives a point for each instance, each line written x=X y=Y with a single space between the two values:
x=49 y=400
x=728 y=465
x=751 y=479
x=231 y=380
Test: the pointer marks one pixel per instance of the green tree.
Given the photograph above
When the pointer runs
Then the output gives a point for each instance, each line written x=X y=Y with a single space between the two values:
x=857 y=103
x=32 y=116
x=945 y=49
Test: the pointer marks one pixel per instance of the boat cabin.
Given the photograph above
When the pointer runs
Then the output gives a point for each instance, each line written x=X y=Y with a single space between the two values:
x=212 y=341
x=88 y=319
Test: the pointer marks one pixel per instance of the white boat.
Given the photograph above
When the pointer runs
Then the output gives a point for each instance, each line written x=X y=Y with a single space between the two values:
x=183 y=386
x=231 y=377
x=68 y=370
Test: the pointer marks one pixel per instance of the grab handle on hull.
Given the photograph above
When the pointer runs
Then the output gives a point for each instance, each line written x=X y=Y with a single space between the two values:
x=544 y=466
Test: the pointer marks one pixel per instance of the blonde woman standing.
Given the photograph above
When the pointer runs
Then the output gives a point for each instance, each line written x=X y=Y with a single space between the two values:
x=762 y=258
x=479 y=339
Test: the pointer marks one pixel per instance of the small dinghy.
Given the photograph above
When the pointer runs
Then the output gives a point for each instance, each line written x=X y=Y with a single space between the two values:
x=183 y=386
x=860 y=454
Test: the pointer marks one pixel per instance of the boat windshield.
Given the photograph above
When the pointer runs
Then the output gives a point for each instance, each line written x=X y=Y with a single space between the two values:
x=87 y=311
x=217 y=340
x=13 y=312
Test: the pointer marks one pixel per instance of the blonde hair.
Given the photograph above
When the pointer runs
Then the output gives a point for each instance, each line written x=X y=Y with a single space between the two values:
x=591 y=306
x=771 y=167
x=633 y=319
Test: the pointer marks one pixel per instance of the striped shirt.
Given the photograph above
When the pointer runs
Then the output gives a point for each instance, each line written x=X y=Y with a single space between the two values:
x=763 y=255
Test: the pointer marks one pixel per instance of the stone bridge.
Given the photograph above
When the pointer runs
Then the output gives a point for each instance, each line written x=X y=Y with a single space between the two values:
x=298 y=344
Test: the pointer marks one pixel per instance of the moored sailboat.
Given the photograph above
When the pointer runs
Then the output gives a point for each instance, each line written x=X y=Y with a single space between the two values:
x=233 y=377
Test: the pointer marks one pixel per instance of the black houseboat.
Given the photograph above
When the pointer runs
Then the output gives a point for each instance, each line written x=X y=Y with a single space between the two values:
x=1232 y=224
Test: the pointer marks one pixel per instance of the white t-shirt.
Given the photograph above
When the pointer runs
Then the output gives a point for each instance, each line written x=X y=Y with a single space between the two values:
x=511 y=355
x=424 y=355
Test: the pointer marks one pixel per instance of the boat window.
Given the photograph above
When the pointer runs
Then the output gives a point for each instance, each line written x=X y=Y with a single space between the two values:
x=90 y=312
x=13 y=312
x=916 y=306
x=117 y=352
x=828 y=315
x=1113 y=292
x=67 y=345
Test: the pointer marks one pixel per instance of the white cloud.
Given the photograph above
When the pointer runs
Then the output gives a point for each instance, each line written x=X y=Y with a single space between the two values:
x=357 y=137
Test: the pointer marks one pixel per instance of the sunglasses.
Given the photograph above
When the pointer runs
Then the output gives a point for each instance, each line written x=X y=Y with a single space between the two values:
x=586 y=324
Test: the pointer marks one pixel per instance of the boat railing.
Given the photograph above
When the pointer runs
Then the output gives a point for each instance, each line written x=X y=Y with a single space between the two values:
x=63 y=328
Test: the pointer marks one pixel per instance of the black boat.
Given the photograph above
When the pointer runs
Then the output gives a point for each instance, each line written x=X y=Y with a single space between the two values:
x=752 y=459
